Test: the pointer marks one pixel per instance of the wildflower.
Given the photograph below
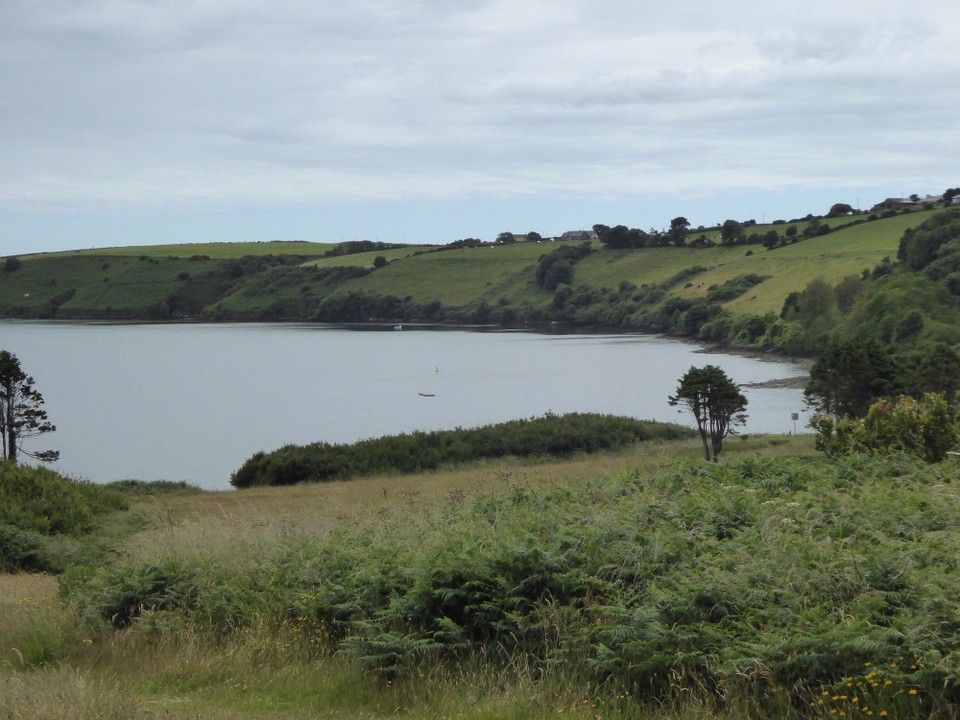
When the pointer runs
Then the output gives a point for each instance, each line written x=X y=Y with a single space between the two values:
x=913 y=691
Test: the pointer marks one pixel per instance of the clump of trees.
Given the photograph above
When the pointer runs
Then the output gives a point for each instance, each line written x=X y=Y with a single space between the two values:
x=556 y=267
x=716 y=403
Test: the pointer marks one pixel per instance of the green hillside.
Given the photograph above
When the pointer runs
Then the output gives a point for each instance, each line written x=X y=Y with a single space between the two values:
x=711 y=290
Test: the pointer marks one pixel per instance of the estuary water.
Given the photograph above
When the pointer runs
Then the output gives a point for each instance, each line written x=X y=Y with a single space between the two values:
x=193 y=401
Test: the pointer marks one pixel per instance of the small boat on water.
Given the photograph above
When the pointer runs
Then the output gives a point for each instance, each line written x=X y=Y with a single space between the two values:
x=427 y=394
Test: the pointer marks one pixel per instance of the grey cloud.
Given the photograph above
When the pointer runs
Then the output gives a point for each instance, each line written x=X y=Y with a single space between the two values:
x=250 y=102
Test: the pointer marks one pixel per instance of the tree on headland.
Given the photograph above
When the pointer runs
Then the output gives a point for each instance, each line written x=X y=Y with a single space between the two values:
x=21 y=411
x=716 y=403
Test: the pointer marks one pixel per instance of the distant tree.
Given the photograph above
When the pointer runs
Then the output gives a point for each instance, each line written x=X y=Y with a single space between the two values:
x=11 y=264
x=505 y=237
x=770 y=239
x=816 y=305
x=790 y=308
x=716 y=403
x=617 y=237
x=730 y=232
x=850 y=376
x=791 y=231
x=678 y=231
x=534 y=236
x=21 y=411
x=839 y=209
x=380 y=261
x=560 y=273
x=600 y=230
x=847 y=292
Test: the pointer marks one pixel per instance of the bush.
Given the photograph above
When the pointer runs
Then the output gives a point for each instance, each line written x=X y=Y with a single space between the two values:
x=550 y=435
x=925 y=429
x=37 y=505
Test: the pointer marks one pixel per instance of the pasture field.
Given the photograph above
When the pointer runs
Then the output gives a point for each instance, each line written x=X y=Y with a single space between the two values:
x=365 y=259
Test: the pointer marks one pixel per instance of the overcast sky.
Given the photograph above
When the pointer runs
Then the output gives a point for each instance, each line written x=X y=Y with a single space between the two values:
x=146 y=121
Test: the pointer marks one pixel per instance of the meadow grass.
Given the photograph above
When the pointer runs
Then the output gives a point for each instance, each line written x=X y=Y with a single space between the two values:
x=457 y=277
x=365 y=259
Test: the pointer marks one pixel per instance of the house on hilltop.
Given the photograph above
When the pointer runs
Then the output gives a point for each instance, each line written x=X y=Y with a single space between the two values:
x=893 y=204
x=578 y=235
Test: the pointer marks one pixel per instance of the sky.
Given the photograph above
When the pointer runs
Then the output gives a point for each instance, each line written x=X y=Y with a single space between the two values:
x=130 y=122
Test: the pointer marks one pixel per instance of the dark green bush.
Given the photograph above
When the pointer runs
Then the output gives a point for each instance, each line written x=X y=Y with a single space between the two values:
x=554 y=435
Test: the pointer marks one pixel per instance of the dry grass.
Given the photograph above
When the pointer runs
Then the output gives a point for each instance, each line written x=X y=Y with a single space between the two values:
x=364 y=500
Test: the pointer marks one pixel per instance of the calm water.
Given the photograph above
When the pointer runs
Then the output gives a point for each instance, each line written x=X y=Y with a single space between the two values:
x=192 y=402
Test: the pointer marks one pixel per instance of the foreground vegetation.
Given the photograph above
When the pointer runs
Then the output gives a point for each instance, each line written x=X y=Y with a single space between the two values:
x=639 y=584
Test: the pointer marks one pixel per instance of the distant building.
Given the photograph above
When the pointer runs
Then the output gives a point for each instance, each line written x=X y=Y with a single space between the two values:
x=893 y=204
x=578 y=235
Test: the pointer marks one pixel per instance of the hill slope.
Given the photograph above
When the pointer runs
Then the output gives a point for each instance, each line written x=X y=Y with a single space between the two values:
x=645 y=289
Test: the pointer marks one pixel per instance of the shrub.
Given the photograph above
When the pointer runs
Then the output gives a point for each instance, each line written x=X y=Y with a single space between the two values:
x=37 y=505
x=925 y=429
x=550 y=435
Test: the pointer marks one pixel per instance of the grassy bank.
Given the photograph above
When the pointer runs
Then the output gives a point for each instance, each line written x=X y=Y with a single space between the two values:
x=638 y=584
